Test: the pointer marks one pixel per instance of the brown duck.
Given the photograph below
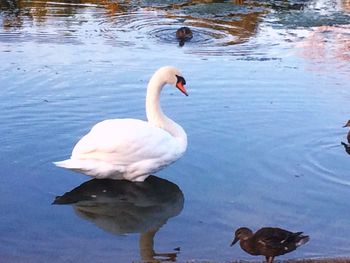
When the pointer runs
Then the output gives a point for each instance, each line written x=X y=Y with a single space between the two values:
x=268 y=241
x=347 y=145
x=183 y=34
x=347 y=125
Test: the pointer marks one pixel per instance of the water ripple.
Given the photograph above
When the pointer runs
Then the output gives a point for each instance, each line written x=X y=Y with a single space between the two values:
x=210 y=36
x=313 y=154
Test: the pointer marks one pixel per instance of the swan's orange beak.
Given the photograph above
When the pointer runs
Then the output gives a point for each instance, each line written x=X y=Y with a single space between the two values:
x=181 y=87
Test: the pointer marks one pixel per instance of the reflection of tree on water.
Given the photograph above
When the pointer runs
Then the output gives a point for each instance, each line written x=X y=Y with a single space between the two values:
x=236 y=22
x=11 y=15
x=327 y=42
x=228 y=22
x=14 y=12
x=330 y=41
x=238 y=19
x=121 y=207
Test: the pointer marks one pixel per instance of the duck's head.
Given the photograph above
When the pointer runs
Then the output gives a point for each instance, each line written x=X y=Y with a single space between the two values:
x=184 y=33
x=241 y=233
x=347 y=124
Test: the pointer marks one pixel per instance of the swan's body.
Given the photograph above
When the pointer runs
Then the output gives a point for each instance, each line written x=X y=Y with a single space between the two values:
x=133 y=149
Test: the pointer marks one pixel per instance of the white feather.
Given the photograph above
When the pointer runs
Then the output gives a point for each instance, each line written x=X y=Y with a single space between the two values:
x=129 y=148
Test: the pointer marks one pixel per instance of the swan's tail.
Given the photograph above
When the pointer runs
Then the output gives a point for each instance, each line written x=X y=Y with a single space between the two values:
x=93 y=168
x=69 y=164
x=77 y=165
x=81 y=165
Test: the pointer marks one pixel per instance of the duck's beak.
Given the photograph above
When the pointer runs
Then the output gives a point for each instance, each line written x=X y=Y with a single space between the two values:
x=347 y=124
x=181 y=87
x=234 y=241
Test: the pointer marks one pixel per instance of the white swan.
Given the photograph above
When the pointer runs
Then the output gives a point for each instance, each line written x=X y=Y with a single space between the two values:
x=133 y=149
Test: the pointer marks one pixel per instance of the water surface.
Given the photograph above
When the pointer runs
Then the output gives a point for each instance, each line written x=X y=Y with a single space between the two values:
x=269 y=91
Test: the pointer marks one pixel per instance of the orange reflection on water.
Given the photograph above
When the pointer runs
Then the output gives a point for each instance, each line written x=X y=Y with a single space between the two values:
x=39 y=11
x=238 y=26
x=327 y=46
x=345 y=5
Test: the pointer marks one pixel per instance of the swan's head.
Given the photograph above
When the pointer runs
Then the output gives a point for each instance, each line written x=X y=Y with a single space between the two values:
x=172 y=76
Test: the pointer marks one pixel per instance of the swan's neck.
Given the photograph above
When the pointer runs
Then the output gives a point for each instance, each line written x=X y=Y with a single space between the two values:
x=155 y=114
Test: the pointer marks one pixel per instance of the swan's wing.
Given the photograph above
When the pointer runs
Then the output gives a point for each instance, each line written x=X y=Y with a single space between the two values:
x=124 y=141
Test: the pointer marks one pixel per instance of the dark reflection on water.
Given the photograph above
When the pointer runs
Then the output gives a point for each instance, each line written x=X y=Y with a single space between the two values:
x=122 y=207
x=346 y=147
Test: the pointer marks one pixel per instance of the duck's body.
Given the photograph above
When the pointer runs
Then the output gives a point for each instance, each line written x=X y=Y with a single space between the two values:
x=132 y=149
x=269 y=242
x=346 y=147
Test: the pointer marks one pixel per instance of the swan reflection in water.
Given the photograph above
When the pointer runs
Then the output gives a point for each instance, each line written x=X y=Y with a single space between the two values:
x=122 y=207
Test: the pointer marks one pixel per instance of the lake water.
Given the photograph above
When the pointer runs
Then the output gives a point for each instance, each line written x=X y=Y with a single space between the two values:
x=269 y=92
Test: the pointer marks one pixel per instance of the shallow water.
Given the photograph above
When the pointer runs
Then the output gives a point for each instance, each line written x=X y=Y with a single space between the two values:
x=269 y=91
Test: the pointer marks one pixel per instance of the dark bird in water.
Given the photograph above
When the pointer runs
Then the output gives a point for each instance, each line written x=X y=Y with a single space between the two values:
x=347 y=146
x=183 y=34
x=268 y=241
x=347 y=125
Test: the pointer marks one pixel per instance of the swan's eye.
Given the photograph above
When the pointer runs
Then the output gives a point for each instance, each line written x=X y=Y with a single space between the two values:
x=180 y=80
